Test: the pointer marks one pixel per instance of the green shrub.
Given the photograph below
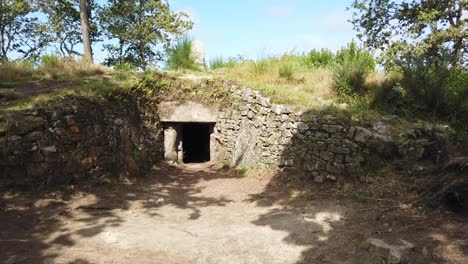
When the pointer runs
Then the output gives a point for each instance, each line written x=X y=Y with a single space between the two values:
x=429 y=88
x=456 y=93
x=286 y=71
x=352 y=53
x=424 y=83
x=123 y=71
x=50 y=61
x=180 y=55
x=125 y=67
x=349 y=77
x=352 y=66
x=319 y=58
x=391 y=99
x=260 y=67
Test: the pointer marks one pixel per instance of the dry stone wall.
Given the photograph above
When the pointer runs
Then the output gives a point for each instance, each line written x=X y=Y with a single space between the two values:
x=78 y=138
x=254 y=132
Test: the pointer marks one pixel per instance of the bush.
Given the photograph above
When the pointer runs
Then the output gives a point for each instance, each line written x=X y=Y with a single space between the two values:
x=353 y=65
x=456 y=93
x=286 y=71
x=391 y=99
x=349 y=77
x=354 y=53
x=322 y=58
x=424 y=83
x=427 y=87
x=180 y=56
x=50 y=61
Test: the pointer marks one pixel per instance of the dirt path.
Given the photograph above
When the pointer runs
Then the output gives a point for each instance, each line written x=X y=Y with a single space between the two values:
x=195 y=214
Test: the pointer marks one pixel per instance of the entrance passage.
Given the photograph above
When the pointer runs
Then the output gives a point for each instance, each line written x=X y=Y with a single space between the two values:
x=196 y=142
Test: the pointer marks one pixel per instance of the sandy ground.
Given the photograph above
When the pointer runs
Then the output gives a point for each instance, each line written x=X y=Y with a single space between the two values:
x=196 y=214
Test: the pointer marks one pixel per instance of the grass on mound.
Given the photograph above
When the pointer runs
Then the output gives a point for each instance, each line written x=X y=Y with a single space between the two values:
x=286 y=79
x=292 y=79
x=49 y=68
x=24 y=85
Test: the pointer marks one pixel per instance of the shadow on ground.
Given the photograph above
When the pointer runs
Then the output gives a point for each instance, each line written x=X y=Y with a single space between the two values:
x=334 y=226
x=31 y=224
x=314 y=223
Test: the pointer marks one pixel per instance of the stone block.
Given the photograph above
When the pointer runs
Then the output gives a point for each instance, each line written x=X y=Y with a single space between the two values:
x=335 y=168
x=302 y=126
x=321 y=135
x=20 y=124
x=34 y=136
x=351 y=133
x=70 y=119
x=265 y=102
x=277 y=109
x=289 y=162
x=326 y=155
x=362 y=134
x=250 y=115
x=36 y=156
x=288 y=109
x=37 y=169
x=393 y=254
x=339 y=158
x=332 y=128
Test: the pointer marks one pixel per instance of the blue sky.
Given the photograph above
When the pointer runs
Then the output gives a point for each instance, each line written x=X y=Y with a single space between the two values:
x=256 y=28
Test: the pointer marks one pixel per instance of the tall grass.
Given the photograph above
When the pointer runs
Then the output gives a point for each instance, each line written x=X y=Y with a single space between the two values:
x=16 y=71
x=181 y=55
x=286 y=71
x=285 y=78
x=51 y=67
x=349 y=78
x=260 y=67
x=220 y=62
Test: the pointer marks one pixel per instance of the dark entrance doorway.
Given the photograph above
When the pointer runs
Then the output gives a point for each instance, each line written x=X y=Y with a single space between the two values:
x=196 y=142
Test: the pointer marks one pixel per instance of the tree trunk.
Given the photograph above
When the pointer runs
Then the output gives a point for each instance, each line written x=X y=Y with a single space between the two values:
x=88 y=54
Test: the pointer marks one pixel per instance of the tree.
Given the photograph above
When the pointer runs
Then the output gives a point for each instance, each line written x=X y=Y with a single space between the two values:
x=20 y=33
x=64 y=24
x=430 y=28
x=88 y=54
x=143 y=30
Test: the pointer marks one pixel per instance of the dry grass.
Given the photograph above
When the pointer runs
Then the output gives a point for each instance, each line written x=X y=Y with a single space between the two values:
x=376 y=81
x=63 y=69
x=70 y=69
x=290 y=79
x=16 y=71
x=286 y=79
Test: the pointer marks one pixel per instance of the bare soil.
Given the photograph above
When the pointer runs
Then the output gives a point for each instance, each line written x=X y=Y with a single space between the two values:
x=199 y=214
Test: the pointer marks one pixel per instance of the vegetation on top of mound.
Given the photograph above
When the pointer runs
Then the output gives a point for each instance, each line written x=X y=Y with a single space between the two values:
x=180 y=55
x=169 y=87
x=50 y=67
x=347 y=83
